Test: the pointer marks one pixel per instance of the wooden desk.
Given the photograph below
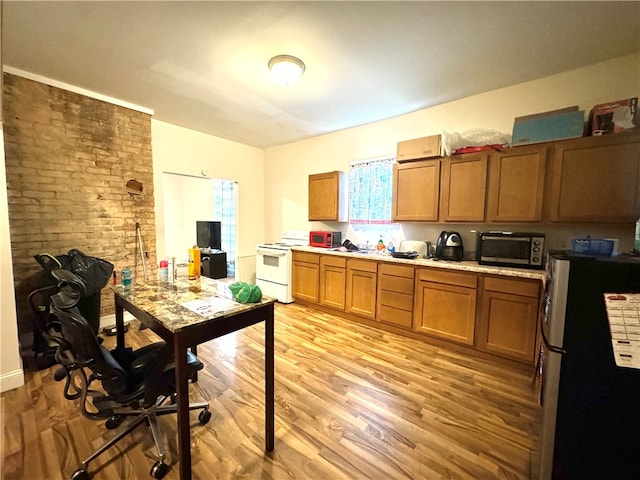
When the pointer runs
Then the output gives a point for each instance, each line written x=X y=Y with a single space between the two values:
x=162 y=308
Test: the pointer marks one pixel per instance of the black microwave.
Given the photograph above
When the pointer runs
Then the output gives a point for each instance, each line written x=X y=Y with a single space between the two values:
x=510 y=249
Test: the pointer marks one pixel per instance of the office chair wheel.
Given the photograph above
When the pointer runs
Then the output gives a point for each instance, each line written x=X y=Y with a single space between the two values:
x=113 y=422
x=159 y=470
x=80 y=474
x=204 y=417
x=60 y=374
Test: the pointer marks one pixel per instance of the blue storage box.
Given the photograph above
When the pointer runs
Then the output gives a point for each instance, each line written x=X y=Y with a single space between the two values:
x=548 y=126
x=593 y=246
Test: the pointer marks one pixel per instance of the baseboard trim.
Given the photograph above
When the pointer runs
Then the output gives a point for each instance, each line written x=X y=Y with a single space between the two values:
x=110 y=320
x=11 y=380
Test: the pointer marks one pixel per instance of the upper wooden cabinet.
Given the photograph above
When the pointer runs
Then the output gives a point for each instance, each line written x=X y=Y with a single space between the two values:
x=516 y=184
x=463 y=188
x=327 y=197
x=596 y=179
x=416 y=191
x=448 y=189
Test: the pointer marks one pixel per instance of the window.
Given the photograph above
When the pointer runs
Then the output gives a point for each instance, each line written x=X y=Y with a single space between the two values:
x=224 y=211
x=370 y=192
x=370 y=197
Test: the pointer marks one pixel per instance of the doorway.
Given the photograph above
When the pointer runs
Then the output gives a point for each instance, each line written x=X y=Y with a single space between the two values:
x=189 y=199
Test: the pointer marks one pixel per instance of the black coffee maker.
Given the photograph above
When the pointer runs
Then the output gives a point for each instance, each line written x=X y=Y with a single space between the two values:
x=449 y=246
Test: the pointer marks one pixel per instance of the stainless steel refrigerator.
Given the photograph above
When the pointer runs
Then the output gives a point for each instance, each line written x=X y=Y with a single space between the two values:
x=590 y=405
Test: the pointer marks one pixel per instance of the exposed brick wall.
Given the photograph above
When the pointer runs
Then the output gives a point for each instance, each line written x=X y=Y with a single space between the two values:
x=68 y=159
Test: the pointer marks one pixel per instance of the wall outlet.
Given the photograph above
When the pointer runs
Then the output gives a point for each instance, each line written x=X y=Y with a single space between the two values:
x=564 y=244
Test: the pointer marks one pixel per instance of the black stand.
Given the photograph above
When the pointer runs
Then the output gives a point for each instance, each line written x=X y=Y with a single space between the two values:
x=214 y=264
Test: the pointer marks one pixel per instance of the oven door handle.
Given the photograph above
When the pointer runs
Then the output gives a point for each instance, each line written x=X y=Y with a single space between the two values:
x=271 y=253
x=551 y=348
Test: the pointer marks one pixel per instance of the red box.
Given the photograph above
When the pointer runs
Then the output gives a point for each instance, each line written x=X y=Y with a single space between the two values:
x=614 y=117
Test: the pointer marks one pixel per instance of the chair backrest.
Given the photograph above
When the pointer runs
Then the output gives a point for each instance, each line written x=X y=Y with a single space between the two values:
x=85 y=350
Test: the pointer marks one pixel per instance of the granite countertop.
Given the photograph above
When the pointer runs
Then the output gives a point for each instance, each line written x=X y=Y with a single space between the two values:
x=465 y=265
x=185 y=303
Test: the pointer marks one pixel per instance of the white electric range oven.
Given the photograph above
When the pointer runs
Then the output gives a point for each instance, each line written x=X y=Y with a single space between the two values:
x=274 y=265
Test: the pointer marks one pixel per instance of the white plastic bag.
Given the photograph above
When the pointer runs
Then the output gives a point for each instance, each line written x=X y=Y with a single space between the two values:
x=473 y=137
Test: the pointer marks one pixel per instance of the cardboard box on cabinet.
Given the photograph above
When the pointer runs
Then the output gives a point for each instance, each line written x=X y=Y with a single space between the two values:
x=614 y=117
x=419 y=148
x=548 y=126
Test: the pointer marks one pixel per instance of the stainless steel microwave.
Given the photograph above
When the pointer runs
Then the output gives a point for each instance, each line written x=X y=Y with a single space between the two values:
x=510 y=249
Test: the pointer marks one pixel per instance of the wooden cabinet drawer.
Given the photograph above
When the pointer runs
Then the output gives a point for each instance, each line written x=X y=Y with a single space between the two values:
x=396 y=270
x=333 y=261
x=306 y=257
x=363 y=265
x=395 y=316
x=528 y=288
x=396 y=284
x=401 y=301
x=462 y=279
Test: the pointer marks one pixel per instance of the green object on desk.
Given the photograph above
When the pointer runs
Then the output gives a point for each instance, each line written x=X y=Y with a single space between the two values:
x=244 y=292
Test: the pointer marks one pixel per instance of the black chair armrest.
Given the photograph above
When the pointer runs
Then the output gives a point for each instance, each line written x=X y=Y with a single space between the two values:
x=155 y=355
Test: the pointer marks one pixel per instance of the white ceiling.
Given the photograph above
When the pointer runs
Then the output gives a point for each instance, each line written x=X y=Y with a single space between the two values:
x=203 y=65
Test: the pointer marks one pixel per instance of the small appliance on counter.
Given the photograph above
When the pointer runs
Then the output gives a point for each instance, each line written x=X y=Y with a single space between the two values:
x=325 y=239
x=510 y=249
x=350 y=246
x=449 y=246
x=421 y=249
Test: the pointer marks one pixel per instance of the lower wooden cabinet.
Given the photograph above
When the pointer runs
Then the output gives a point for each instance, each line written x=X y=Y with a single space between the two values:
x=445 y=304
x=494 y=314
x=305 y=276
x=332 y=281
x=395 y=294
x=361 y=287
x=508 y=317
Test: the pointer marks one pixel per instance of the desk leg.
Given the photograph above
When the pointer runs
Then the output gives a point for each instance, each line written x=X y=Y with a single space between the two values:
x=269 y=366
x=119 y=324
x=182 y=390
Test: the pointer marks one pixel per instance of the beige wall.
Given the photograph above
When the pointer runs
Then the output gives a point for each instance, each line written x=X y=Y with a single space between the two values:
x=286 y=194
x=181 y=211
x=183 y=151
x=11 y=375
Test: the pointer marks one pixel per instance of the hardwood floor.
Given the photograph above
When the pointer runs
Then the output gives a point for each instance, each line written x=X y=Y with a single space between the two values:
x=351 y=403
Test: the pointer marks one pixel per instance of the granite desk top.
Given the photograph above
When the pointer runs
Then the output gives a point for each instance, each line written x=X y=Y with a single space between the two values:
x=185 y=303
x=467 y=265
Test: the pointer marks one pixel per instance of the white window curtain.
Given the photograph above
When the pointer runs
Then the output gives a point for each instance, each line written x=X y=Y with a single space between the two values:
x=370 y=192
x=224 y=211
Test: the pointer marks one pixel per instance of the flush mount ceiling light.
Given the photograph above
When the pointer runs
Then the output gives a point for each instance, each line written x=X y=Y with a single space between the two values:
x=286 y=69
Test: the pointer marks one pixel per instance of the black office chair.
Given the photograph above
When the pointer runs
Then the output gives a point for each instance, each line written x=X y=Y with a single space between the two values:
x=135 y=383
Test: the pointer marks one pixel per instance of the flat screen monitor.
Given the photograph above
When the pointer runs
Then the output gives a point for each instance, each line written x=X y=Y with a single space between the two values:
x=208 y=234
